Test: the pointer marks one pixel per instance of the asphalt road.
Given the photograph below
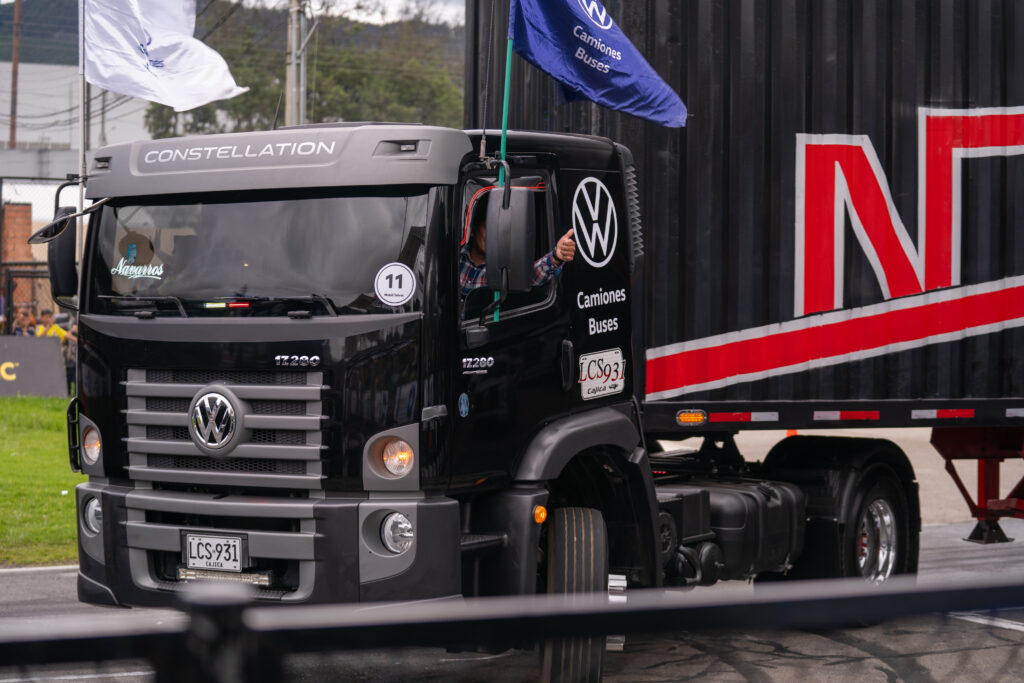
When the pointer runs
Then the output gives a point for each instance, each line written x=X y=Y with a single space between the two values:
x=965 y=647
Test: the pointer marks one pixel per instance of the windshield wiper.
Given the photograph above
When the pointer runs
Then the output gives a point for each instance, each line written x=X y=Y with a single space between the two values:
x=155 y=299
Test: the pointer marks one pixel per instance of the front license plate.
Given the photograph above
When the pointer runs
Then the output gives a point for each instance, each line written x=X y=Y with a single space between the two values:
x=222 y=553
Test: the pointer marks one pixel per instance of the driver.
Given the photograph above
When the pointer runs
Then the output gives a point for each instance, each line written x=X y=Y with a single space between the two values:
x=472 y=258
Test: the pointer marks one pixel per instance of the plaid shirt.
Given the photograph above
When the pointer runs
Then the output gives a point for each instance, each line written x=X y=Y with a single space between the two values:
x=472 y=276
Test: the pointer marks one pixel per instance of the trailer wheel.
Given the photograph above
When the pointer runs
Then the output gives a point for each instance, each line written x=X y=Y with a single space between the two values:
x=577 y=562
x=876 y=538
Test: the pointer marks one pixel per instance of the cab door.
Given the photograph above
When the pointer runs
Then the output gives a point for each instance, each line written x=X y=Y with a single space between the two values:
x=511 y=368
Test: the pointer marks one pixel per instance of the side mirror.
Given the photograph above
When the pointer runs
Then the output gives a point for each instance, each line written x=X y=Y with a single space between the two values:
x=511 y=237
x=55 y=228
x=62 y=249
x=62 y=217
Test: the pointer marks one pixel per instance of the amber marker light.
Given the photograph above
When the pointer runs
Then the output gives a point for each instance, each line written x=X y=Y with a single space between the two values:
x=540 y=514
x=691 y=417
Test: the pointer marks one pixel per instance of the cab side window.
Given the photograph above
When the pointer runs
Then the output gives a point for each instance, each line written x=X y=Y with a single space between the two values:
x=476 y=295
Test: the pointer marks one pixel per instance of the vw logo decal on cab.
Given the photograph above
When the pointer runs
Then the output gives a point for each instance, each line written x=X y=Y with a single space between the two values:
x=213 y=421
x=596 y=13
x=595 y=221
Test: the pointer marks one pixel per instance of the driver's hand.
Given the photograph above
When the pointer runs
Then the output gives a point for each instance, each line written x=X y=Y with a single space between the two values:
x=565 y=250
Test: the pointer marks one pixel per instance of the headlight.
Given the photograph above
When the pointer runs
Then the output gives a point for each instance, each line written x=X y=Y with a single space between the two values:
x=396 y=533
x=397 y=457
x=92 y=515
x=91 y=445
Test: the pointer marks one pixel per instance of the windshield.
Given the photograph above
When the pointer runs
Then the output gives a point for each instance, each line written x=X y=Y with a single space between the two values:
x=261 y=254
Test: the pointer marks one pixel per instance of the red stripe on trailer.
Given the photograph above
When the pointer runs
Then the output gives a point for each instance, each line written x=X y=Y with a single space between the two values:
x=822 y=340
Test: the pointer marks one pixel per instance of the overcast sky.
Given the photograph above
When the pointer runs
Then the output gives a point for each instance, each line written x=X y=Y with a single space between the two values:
x=451 y=11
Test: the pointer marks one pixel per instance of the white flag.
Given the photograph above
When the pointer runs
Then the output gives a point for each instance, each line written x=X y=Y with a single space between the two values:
x=145 y=48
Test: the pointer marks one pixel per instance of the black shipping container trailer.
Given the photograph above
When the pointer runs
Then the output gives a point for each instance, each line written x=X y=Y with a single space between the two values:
x=834 y=238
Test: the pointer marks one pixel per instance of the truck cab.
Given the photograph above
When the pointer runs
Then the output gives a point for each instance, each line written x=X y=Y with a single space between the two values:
x=282 y=381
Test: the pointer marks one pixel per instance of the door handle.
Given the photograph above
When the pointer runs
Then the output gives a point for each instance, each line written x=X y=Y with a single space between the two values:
x=568 y=366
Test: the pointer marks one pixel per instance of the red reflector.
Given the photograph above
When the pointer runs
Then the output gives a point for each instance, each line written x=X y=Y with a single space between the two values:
x=858 y=415
x=729 y=417
x=954 y=412
x=830 y=415
x=238 y=304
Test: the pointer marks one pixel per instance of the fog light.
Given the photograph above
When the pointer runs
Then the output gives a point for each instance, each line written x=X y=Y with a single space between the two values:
x=396 y=533
x=398 y=457
x=92 y=515
x=91 y=445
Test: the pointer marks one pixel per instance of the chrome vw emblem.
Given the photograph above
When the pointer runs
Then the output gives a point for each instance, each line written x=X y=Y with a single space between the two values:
x=213 y=421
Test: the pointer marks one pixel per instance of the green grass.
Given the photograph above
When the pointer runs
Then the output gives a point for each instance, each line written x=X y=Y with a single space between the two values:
x=37 y=486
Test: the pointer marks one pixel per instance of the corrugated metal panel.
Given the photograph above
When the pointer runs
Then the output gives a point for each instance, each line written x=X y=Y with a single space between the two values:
x=719 y=197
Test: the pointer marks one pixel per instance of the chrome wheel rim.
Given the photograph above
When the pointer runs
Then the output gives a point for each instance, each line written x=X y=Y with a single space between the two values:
x=876 y=541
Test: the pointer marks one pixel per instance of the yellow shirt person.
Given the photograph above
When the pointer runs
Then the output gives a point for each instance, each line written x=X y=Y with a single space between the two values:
x=48 y=328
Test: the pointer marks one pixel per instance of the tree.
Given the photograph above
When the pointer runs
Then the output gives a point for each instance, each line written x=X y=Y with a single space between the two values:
x=407 y=71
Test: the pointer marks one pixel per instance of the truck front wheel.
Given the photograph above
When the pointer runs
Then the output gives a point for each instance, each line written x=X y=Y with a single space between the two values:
x=576 y=562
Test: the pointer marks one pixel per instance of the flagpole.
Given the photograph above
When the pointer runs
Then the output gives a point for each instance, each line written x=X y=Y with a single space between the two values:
x=504 y=110
x=83 y=129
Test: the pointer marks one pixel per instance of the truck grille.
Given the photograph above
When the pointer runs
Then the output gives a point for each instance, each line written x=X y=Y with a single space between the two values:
x=273 y=475
x=281 y=429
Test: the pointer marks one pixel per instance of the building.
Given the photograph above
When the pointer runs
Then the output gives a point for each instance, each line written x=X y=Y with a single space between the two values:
x=47 y=127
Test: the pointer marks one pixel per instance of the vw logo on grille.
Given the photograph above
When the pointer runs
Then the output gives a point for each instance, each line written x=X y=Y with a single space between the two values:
x=213 y=421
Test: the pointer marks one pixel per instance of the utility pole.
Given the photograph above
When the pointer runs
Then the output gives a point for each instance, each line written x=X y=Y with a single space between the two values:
x=291 y=98
x=15 y=48
x=301 y=108
x=295 y=73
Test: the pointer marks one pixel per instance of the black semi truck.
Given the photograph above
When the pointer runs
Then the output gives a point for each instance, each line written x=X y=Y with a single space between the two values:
x=282 y=382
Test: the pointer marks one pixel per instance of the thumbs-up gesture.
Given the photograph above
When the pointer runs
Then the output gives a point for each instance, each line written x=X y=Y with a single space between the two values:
x=565 y=250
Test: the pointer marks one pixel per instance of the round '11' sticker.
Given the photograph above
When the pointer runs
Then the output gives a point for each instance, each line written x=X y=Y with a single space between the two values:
x=395 y=284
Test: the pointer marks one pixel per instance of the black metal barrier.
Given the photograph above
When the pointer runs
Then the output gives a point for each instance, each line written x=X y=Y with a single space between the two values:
x=224 y=637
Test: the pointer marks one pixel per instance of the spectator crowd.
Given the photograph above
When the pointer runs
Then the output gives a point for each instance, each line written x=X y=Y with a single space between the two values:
x=26 y=324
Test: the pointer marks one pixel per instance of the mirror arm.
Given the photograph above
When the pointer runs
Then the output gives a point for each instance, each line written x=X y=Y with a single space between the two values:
x=73 y=179
x=499 y=300
x=506 y=198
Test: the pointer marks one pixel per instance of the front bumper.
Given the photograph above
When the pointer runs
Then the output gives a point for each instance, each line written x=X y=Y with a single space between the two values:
x=319 y=550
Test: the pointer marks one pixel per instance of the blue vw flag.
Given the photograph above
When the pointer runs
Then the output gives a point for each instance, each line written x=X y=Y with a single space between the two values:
x=577 y=43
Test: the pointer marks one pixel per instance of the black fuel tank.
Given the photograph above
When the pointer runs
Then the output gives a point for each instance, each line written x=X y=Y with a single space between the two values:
x=759 y=525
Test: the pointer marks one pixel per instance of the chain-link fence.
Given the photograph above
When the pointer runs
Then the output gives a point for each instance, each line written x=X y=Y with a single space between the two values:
x=28 y=205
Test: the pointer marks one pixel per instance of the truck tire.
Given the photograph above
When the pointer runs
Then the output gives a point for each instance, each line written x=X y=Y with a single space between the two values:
x=876 y=539
x=577 y=562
